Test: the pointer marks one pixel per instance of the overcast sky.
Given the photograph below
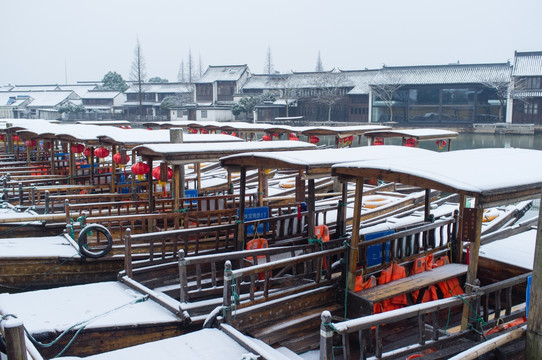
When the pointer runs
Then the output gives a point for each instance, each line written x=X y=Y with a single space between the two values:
x=43 y=40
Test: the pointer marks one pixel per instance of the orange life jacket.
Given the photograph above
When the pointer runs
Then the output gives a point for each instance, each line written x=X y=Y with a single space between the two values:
x=420 y=265
x=394 y=272
x=258 y=243
x=362 y=285
x=322 y=233
x=449 y=287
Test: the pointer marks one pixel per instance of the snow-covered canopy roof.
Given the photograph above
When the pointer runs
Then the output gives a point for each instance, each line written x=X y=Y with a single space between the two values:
x=317 y=161
x=343 y=130
x=134 y=137
x=101 y=94
x=189 y=153
x=494 y=176
x=418 y=134
x=104 y=122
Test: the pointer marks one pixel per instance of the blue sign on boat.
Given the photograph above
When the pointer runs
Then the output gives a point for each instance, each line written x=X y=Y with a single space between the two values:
x=374 y=252
x=256 y=213
x=192 y=193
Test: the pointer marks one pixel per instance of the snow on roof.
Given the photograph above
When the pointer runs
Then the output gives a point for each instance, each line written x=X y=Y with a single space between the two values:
x=361 y=80
x=48 y=98
x=471 y=172
x=414 y=133
x=343 y=130
x=528 y=64
x=101 y=94
x=144 y=136
x=160 y=88
x=443 y=74
x=60 y=308
x=26 y=88
x=80 y=89
x=517 y=250
x=217 y=150
x=321 y=158
x=222 y=73
x=9 y=99
x=204 y=344
x=37 y=247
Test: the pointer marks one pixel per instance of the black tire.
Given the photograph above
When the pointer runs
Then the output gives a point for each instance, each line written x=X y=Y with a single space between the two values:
x=82 y=241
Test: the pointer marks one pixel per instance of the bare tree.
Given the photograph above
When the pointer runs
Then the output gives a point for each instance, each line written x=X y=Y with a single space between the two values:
x=385 y=91
x=330 y=88
x=138 y=74
x=189 y=66
x=200 y=67
x=268 y=67
x=319 y=66
x=288 y=91
x=505 y=90
x=180 y=74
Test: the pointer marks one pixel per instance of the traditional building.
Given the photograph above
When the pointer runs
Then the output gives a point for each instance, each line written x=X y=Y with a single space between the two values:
x=527 y=93
x=14 y=106
x=103 y=101
x=152 y=96
x=445 y=94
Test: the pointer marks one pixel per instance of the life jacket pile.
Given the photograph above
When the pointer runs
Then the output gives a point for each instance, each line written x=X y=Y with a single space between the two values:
x=420 y=265
x=449 y=287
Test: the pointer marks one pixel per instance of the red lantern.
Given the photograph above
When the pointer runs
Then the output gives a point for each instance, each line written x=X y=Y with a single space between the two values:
x=46 y=145
x=140 y=169
x=2 y=137
x=87 y=152
x=410 y=142
x=121 y=160
x=30 y=143
x=293 y=137
x=378 y=141
x=276 y=135
x=193 y=131
x=162 y=181
x=266 y=137
x=101 y=152
x=314 y=139
x=203 y=131
x=441 y=144
x=234 y=134
x=77 y=148
x=15 y=138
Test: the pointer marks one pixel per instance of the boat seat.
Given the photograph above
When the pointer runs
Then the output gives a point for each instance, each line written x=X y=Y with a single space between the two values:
x=364 y=300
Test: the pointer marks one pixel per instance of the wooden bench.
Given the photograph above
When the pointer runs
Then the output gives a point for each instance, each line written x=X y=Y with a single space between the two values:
x=365 y=299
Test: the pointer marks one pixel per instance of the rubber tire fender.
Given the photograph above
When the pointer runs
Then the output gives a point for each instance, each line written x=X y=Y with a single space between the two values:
x=82 y=241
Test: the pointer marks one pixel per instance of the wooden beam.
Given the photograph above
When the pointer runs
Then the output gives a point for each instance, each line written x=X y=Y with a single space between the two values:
x=241 y=220
x=354 y=246
x=533 y=342
x=311 y=210
x=113 y=169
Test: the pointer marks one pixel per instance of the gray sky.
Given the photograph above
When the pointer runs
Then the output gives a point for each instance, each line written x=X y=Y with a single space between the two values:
x=39 y=39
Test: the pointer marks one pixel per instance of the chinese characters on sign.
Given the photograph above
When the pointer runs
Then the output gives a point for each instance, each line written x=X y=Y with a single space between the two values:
x=468 y=232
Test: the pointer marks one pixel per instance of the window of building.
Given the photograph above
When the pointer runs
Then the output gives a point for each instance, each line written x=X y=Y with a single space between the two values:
x=534 y=83
x=531 y=109
x=179 y=113
x=204 y=114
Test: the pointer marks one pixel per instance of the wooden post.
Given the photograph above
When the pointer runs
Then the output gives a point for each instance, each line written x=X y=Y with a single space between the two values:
x=113 y=169
x=261 y=175
x=47 y=201
x=326 y=336
x=176 y=192
x=21 y=194
x=197 y=166
x=459 y=246
x=427 y=204
x=53 y=170
x=183 y=278
x=311 y=209
x=132 y=182
x=150 y=191
x=472 y=271
x=28 y=149
x=533 y=342
x=91 y=160
x=226 y=301
x=128 y=252
x=299 y=187
x=241 y=219
x=70 y=163
x=354 y=246
x=15 y=339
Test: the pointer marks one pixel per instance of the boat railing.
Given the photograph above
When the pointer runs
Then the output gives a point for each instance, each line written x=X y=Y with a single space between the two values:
x=365 y=335
x=406 y=245
x=277 y=279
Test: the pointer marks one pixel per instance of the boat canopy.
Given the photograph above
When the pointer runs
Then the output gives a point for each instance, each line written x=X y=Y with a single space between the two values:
x=493 y=176
x=199 y=152
x=343 y=131
x=318 y=162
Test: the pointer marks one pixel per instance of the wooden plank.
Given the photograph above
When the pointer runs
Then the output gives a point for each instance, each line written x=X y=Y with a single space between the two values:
x=411 y=283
